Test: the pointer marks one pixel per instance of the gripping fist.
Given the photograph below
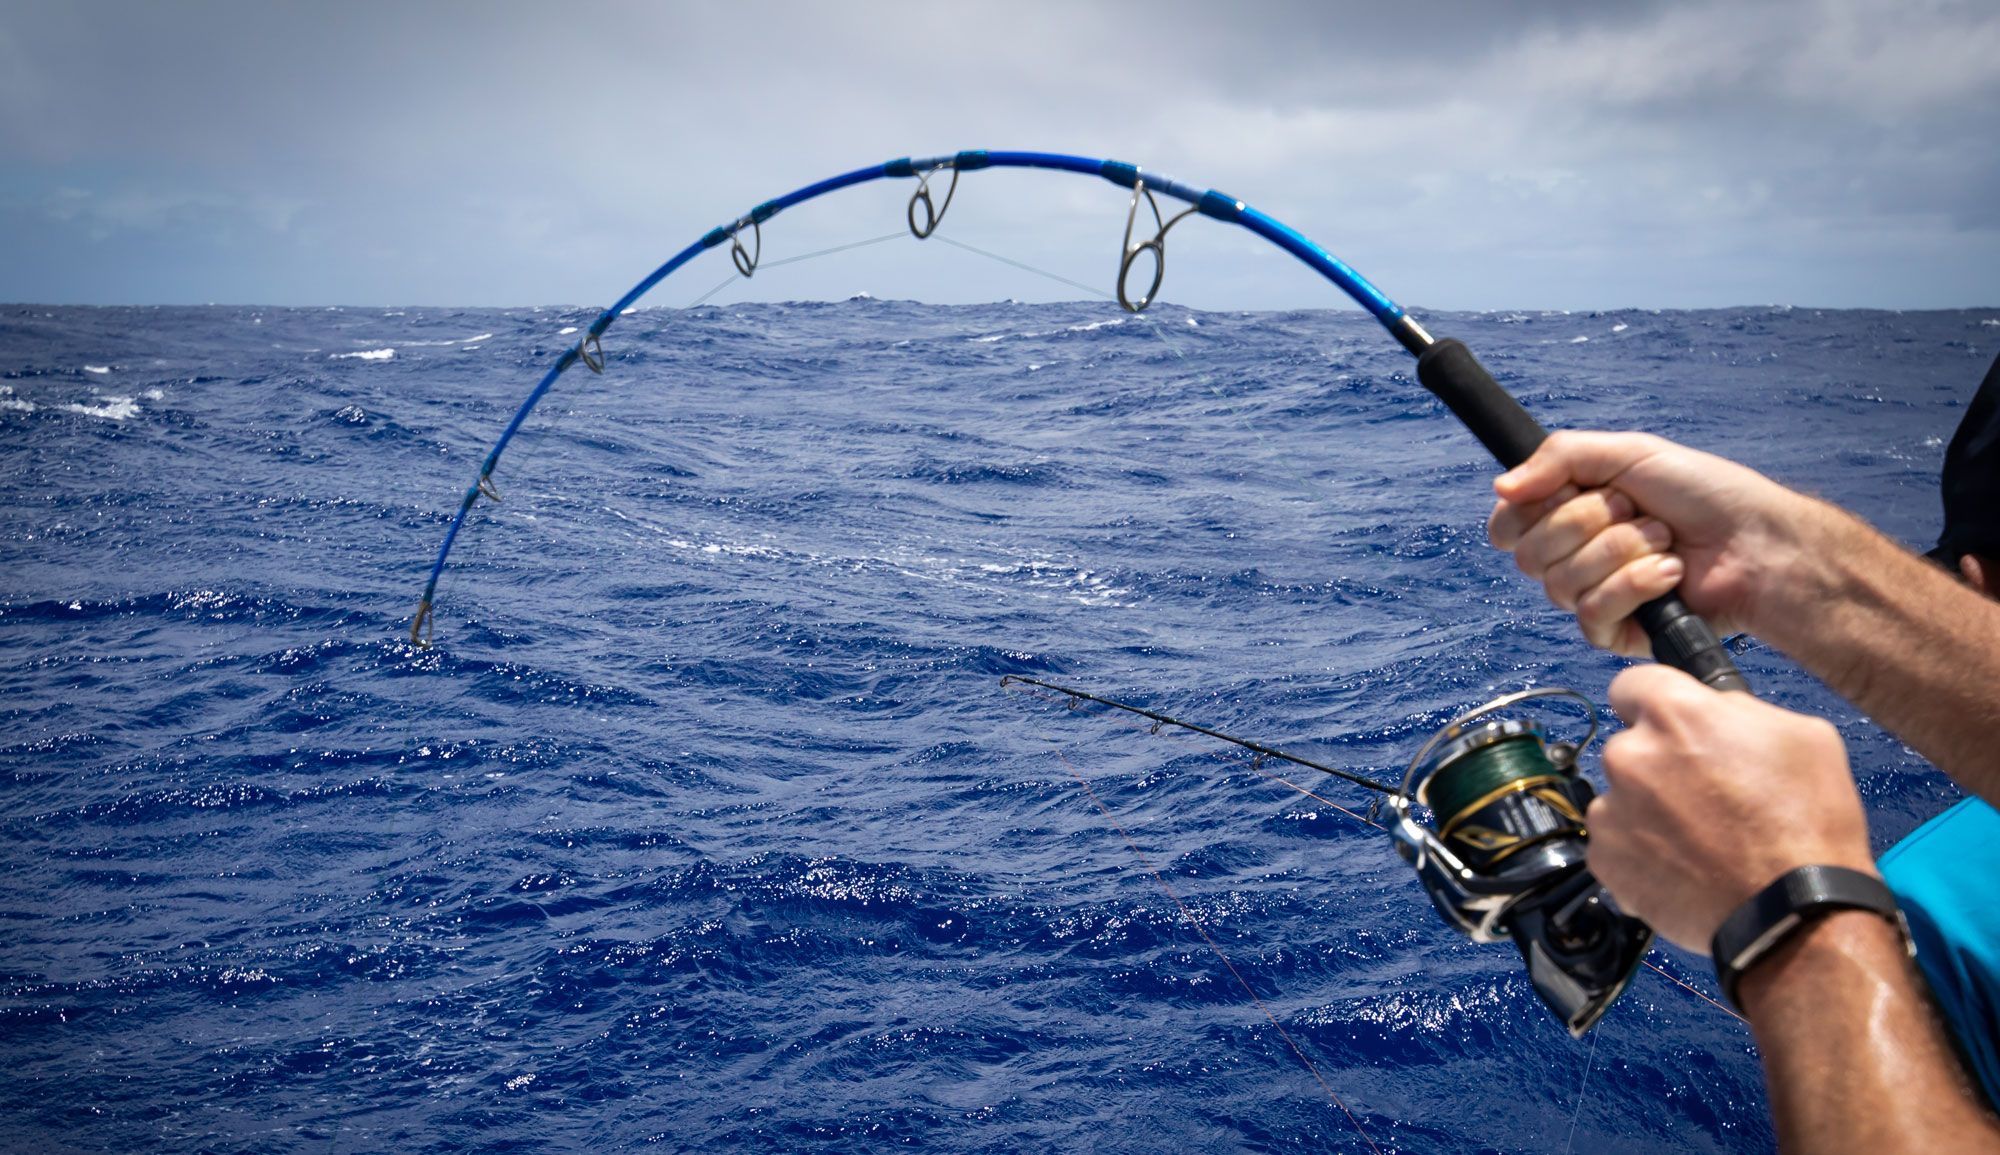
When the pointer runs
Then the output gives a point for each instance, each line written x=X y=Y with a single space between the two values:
x=1713 y=796
x=1609 y=521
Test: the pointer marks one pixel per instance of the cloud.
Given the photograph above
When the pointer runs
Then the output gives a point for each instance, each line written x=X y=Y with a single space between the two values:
x=1558 y=153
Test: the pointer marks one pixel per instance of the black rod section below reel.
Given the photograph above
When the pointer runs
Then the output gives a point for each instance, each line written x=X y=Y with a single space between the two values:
x=1505 y=857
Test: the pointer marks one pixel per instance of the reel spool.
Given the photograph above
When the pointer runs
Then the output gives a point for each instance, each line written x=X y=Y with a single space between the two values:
x=1506 y=856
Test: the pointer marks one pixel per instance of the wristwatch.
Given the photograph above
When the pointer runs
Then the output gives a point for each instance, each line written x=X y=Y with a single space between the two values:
x=1778 y=911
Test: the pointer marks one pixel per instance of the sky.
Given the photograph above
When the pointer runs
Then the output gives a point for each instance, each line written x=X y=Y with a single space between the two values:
x=1561 y=154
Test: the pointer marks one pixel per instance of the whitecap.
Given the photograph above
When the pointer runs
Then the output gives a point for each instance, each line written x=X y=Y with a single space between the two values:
x=100 y=370
x=113 y=409
x=863 y=295
x=566 y=330
x=1620 y=327
x=1993 y=321
x=1578 y=340
x=1105 y=324
x=1193 y=324
x=445 y=344
x=9 y=401
x=365 y=355
x=154 y=394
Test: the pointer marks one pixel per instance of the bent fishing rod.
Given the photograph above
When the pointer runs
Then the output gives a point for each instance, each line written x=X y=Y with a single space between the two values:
x=1506 y=858
x=1445 y=367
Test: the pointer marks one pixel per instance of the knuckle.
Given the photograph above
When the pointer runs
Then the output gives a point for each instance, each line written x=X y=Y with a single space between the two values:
x=1605 y=603
x=1621 y=752
x=1823 y=733
x=1596 y=630
x=1565 y=582
x=1629 y=541
x=1648 y=442
x=1561 y=593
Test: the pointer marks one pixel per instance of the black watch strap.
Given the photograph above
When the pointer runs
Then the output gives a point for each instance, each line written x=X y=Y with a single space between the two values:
x=1778 y=911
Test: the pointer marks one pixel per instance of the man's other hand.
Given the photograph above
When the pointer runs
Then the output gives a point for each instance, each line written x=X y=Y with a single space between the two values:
x=1713 y=796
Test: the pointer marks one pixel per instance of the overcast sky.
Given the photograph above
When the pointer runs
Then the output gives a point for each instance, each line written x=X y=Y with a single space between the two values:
x=1560 y=154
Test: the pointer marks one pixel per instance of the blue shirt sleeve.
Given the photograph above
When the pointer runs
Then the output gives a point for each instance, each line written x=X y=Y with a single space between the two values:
x=1944 y=876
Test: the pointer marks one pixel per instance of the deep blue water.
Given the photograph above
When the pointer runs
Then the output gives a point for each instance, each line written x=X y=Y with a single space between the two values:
x=706 y=825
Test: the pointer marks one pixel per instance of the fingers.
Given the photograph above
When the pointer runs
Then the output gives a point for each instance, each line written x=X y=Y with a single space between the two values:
x=1594 y=557
x=1612 y=852
x=1510 y=521
x=1585 y=460
x=1576 y=524
x=1604 y=611
x=1595 y=560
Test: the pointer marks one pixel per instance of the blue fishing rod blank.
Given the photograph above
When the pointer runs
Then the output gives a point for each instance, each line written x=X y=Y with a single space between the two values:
x=1447 y=368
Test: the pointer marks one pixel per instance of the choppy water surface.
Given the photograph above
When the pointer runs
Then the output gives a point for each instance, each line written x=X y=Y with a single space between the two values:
x=706 y=823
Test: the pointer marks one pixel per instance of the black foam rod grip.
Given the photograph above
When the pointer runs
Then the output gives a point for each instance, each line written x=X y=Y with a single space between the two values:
x=1450 y=371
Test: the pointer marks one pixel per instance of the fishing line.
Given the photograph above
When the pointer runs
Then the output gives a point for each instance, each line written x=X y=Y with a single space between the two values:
x=735 y=277
x=991 y=256
x=1725 y=1008
x=1273 y=457
x=1070 y=698
x=1202 y=930
x=1589 y=1058
x=1157 y=725
x=1160 y=720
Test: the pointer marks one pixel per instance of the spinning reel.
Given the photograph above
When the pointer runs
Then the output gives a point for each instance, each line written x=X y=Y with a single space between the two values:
x=1505 y=858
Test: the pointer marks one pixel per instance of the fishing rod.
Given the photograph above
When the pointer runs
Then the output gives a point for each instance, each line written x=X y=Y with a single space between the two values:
x=1541 y=888
x=1445 y=367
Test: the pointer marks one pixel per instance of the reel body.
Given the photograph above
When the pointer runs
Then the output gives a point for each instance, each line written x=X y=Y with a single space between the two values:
x=1505 y=859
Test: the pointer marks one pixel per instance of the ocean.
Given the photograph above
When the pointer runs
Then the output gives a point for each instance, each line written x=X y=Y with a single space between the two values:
x=706 y=823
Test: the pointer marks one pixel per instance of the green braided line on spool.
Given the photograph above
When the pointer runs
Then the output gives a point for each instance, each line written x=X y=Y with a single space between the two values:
x=1457 y=786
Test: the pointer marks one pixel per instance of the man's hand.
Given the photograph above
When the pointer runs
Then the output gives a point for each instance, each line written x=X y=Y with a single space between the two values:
x=1609 y=521
x=1712 y=797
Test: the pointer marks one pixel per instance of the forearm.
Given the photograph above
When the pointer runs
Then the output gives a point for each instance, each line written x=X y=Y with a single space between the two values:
x=1904 y=641
x=1853 y=1054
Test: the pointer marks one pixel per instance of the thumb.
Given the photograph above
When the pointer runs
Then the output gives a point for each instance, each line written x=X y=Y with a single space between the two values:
x=1643 y=691
x=1567 y=457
